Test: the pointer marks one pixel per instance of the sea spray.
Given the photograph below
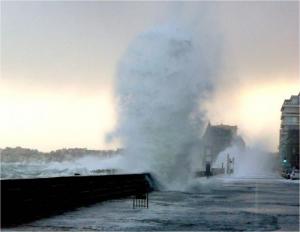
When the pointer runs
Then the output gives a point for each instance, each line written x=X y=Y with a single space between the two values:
x=86 y=165
x=161 y=80
x=250 y=162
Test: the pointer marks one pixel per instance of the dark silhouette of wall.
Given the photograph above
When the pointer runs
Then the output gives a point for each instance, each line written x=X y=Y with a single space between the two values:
x=25 y=200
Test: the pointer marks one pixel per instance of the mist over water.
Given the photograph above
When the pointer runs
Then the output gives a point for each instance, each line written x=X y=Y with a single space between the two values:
x=248 y=162
x=161 y=79
x=165 y=76
x=170 y=71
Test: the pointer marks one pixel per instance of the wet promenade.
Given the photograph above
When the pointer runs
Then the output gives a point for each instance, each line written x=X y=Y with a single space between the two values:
x=216 y=204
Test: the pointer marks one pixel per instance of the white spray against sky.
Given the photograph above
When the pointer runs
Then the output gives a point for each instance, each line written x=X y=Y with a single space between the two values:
x=169 y=70
x=161 y=79
x=164 y=77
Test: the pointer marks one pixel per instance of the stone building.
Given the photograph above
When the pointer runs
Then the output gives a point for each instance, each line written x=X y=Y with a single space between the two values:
x=289 y=133
x=217 y=138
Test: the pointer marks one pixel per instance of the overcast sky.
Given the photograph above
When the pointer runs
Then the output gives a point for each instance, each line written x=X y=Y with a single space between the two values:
x=59 y=59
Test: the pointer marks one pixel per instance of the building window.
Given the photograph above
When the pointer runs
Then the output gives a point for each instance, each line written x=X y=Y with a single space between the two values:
x=295 y=100
x=292 y=120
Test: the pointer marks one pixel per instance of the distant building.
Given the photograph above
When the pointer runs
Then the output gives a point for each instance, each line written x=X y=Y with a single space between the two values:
x=289 y=133
x=217 y=138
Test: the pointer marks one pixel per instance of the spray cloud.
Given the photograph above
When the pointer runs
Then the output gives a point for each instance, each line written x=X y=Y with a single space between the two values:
x=253 y=161
x=161 y=80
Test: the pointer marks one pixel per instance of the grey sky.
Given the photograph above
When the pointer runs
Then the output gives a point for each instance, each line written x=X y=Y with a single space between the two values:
x=69 y=41
x=74 y=48
x=82 y=41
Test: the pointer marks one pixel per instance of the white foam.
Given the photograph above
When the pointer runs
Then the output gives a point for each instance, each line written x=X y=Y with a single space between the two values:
x=161 y=79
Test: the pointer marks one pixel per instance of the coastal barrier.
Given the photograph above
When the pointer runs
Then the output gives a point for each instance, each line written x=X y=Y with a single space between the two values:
x=25 y=200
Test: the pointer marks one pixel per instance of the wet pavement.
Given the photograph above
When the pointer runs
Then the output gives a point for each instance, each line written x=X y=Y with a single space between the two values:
x=216 y=204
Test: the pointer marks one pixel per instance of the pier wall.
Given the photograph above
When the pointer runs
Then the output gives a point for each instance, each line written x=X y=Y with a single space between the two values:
x=25 y=200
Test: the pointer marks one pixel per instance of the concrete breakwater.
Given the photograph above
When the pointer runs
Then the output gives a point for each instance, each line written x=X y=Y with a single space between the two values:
x=25 y=200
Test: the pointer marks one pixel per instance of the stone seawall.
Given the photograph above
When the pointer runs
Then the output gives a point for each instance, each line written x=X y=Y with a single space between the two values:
x=25 y=200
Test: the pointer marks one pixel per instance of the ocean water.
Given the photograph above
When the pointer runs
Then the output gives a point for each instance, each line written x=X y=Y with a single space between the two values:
x=21 y=170
x=87 y=165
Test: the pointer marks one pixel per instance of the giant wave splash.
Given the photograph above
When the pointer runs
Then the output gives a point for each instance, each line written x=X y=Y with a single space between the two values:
x=161 y=79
